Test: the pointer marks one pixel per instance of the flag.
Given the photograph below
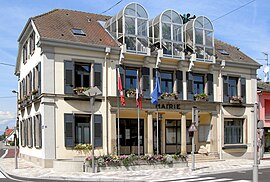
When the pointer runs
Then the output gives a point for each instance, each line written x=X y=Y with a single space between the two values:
x=120 y=89
x=138 y=95
x=156 y=92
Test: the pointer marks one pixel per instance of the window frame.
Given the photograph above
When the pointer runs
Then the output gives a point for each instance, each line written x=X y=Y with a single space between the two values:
x=233 y=127
x=166 y=81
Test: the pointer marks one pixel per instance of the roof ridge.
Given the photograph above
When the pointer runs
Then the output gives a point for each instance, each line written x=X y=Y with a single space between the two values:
x=43 y=14
x=227 y=44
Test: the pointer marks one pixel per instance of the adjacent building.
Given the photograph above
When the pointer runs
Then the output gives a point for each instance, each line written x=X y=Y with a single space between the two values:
x=64 y=52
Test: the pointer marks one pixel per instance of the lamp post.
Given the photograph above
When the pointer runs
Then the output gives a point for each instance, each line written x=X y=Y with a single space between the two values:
x=255 y=165
x=15 y=135
x=92 y=93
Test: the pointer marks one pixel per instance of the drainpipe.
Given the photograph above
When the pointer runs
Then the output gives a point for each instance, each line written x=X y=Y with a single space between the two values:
x=107 y=51
x=220 y=109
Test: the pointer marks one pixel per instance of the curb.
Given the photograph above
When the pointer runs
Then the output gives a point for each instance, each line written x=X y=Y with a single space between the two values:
x=3 y=156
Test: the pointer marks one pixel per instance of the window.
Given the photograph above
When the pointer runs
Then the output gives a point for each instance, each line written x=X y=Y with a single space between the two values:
x=166 y=81
x=233 y=131
x=22 y=131
x=78 y=75
x=223 y=51
x=198 y=84
x=173 y=132
x=167 y=33
x=25 y=53
x=82 y=75
x=37 y=131
x=82 y=129
x=131 y=78
x=32 y=43
x=78 y=31
x=29 y=133
x=78 y=129
x=234 y=89
x=233 y=82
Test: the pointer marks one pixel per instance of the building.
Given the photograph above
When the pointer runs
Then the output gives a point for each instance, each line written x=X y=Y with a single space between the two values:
x=63 y=52
x=264 y=113
x=9 y=136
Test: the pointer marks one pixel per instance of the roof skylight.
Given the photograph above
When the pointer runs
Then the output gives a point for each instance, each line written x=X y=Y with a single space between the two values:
x=222 y=51
x=78 y=31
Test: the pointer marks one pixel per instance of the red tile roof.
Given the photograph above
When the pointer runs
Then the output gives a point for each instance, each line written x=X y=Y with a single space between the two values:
x=8 y=131
x=57 y=24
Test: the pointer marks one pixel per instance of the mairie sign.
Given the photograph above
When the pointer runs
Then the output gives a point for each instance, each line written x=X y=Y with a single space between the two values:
x=168 y=106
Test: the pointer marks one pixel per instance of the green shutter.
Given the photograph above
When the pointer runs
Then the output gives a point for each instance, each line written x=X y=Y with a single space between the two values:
x=69 y=130
x=225 y=89
x=210 y=87
x=98 y=130
x=69 y=77
x=243 y=89
x=190 y=95
x=98 y=75
x=146 y=82
x=179 y=83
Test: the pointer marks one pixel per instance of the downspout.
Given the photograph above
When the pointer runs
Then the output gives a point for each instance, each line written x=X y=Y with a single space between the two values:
x=220 y=109
x=107 y=51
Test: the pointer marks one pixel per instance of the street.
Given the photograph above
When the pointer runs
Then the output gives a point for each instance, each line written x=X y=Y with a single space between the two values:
x=239 y=176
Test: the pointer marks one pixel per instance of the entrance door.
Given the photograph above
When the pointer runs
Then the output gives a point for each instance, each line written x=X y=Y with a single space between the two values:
x=129 y=136
x=155 y=136
x=267 y=141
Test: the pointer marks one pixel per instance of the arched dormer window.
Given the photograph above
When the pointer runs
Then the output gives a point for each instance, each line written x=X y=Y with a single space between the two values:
x=167 y=33
x=200 y=38
x=130 y=27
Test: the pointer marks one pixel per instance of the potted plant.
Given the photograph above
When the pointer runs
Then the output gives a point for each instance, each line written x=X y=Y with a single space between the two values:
x=236 y=100
x=83 y=148
x=34 y=93
x=168 y=96
x=80 y=90
x=201 y=97
x=131 y=93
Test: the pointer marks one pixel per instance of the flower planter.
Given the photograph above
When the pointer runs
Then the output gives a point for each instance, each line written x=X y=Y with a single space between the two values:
x=235 y=101
x=201 y=99
x=168 y=97
x=79 y=93
x=143 y=165
x=132 y=95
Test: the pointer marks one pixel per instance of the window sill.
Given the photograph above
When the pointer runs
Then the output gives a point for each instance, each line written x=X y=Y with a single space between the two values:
x=234 y=146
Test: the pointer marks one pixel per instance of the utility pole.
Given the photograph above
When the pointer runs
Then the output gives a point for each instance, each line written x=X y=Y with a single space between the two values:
x=267 y=64
x=255 y=154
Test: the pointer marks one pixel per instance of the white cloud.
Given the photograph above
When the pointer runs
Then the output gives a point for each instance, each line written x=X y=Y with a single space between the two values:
x=6 y=116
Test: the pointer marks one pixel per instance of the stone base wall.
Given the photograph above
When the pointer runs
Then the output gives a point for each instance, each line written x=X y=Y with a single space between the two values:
x=45 y=163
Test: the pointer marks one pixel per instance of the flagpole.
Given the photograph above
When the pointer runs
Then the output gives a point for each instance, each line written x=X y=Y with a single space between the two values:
x=118 y=120
x=157 y=129
x=138 y=106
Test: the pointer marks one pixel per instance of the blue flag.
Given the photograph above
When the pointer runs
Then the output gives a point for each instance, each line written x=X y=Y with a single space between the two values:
x=156 y=93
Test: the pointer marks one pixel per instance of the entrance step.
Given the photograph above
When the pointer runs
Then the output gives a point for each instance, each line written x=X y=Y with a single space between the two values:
x=203 y=157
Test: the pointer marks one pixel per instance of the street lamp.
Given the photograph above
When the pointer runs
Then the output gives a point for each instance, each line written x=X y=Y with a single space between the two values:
x=15 y=135
x=92 y=93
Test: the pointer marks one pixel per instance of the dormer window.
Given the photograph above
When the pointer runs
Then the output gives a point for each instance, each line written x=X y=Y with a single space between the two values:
x=166 y=31
x=199 y=34
x=78 y=31
x=130 y=27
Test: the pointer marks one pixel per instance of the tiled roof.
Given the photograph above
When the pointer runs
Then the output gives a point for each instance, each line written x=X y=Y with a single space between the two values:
x=263 y=86
x=57 y=24
x=8 y=132
x=235 y=55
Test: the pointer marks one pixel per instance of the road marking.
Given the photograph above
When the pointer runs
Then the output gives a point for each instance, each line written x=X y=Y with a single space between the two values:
x=2 y=176
x=4 y=154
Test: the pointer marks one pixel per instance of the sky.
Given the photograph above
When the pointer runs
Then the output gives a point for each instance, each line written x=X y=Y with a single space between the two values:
x=247 y=28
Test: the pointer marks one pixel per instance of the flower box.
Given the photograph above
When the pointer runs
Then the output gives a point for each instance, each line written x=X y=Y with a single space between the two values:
x=168 y=96
x=201 y=97
x=80 y=90
x=236 y=100
x=131 y=93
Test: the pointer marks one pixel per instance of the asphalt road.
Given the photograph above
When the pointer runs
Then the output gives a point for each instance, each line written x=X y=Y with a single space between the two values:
x=238 y=176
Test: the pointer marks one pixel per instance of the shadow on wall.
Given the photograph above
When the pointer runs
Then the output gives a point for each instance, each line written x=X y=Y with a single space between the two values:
x=239 y=111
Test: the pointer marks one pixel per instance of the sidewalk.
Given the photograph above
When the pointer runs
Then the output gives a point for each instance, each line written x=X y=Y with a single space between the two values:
x=30 y=170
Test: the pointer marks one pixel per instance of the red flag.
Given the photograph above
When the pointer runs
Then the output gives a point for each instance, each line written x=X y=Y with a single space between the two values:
x=138 y=95
x=120 y=89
